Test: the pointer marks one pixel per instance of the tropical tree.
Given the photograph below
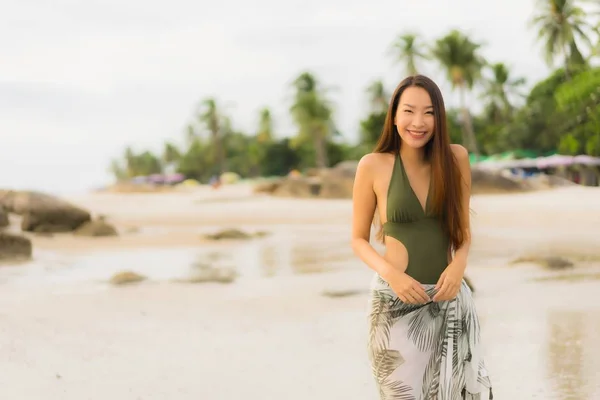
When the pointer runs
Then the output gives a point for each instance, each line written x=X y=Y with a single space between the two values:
x=257 y=148
x=459 y=57
x=171 y=153
x=498 y=90
x=265 y=126
x=117 y=170
x=218 y=125
x=136 y=164
x=372 y=126
x=313 y=115
x=378 y=96
x=408 y=50
x=563 y=26
x=578 y=110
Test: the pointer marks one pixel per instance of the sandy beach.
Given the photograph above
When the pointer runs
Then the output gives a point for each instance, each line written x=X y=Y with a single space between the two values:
x=274 y=333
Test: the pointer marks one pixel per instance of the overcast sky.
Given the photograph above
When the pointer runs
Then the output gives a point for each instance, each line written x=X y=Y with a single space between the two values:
x=80 y=80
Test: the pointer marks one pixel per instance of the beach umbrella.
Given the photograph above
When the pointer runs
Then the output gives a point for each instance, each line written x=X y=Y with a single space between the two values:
x=586 y=160
x=556 y=160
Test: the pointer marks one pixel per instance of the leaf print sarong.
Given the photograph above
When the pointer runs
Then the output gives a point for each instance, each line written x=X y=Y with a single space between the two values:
x=426 y=352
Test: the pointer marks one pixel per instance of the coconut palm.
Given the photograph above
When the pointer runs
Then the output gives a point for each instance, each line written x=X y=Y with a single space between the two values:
x=407 y=50
x=211 y=118
x=460 y=59
x=312 y=113
x=499 y=89
x=171 y=153
x=378 y=96
x=563 y=26
x=117 y=170
x=265 y=126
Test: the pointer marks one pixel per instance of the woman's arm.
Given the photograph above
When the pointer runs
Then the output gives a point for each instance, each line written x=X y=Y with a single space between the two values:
x=364 y=203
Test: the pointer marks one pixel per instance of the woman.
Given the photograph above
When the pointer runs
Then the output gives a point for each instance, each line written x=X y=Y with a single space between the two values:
x=424 y=331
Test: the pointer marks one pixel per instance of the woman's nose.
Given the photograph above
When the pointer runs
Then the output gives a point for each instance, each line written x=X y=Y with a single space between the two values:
x=417 y=121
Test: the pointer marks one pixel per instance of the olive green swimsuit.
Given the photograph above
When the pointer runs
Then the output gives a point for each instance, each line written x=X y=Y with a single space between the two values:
x=419 y=231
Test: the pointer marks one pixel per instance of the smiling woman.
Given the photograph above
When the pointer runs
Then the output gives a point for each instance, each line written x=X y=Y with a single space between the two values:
x=424 y=331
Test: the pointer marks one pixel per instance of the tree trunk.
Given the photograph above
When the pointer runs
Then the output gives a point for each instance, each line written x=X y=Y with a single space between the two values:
x=469 y=140
x=219 y=156
x=321 y=151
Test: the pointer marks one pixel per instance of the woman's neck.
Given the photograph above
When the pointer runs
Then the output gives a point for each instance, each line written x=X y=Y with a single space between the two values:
x=413 y=156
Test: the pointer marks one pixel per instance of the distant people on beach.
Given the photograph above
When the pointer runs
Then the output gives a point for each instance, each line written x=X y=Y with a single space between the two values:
x=215 y=182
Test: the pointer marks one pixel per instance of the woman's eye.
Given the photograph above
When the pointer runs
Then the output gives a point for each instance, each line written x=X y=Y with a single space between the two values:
x=408 y=111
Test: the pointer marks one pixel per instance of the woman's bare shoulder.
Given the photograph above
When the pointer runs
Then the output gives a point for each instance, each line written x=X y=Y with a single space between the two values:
x=460 y=152
x=375 y=162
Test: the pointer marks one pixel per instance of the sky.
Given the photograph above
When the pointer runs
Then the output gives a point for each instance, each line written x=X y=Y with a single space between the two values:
x=81 y=80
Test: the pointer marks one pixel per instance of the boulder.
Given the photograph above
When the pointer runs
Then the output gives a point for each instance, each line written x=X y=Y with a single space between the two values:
x=333 y=293
x=338 y=182
x=14 y=247
x=126 y=277
x=4 y=221
x=96 y=229
x=549 y=261
x=234 y=234
x=335 y=186
x=346 y=169
x=204 y=273
x=267 y=186
x=299 y=187
x=484 y=181
x=42 y=212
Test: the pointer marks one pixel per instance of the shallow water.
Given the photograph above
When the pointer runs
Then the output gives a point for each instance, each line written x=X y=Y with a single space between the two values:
x=283 y=252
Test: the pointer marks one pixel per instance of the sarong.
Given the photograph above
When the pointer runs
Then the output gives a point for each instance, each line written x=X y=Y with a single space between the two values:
x=426 y=352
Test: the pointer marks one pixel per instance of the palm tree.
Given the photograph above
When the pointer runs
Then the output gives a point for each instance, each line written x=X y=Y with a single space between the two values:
x=265 y=126
x=190 y=134
x=210 y=116
x=460 y=58
x=312 y=113
x=378 y=96
x=117 y=170
x=406 y=50
x=130 y=161
x=563 y=27
x=171 y=153
x=499 y=89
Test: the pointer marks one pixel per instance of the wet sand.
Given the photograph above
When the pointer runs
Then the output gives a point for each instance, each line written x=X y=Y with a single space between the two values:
x=272 y=334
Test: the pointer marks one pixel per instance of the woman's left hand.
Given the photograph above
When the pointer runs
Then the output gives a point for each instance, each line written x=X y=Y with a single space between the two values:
x=449 y=283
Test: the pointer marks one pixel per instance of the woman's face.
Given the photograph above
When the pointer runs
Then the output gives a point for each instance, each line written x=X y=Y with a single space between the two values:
x=415 y=118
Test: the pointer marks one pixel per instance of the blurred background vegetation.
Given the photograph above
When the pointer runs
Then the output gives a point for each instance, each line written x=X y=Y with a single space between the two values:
x=560 y=114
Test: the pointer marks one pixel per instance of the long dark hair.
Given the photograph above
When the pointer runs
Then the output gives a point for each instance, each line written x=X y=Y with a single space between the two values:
x=446 y=196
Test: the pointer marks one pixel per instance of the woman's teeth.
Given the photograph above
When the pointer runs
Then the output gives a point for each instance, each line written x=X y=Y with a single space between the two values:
x=417 y=133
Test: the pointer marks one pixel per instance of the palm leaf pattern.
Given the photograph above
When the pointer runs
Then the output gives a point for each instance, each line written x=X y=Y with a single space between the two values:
x=395 y=390
x=441 y=339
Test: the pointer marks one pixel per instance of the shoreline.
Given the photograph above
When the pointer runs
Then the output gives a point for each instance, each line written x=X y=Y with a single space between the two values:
x=560 y=218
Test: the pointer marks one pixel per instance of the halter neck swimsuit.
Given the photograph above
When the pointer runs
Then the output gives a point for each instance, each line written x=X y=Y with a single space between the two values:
x=419 y=231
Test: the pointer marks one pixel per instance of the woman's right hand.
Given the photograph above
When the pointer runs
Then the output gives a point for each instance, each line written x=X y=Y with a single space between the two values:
x=407 y=289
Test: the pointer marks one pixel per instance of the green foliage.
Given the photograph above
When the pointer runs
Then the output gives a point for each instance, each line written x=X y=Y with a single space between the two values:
x=313 y=115
x=578 y=113
x=371 y=128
